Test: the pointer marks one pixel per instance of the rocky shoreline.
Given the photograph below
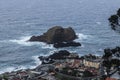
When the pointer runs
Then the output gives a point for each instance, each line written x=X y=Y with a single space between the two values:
x=52 y=63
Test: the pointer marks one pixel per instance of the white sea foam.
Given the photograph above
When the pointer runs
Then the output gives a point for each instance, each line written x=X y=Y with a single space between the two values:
x=37 y=61
x=44 y=45
x=10 y=69
x=99 y=23
x=82 y=37
x=24 y=41
x=52 y=51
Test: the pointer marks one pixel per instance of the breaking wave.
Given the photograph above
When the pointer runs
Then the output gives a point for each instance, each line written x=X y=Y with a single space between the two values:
x=37 y=61
x=82 y=37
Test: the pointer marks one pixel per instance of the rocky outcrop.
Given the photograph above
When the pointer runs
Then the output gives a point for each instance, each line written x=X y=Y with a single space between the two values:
x=56 y=34
x=118 y=12
x=59 y=45
x=115 y=20
x=58 y=55
x=60 y=37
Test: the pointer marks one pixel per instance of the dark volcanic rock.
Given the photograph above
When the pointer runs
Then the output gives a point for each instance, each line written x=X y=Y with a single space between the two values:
x=115 y=21
x=56 y=34
x=59 y=45
x=60 y=37
x=38 y=38
x=118 y=12
x=62 y=54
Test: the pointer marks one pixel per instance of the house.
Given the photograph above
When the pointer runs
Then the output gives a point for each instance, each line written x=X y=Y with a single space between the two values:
x=74 y=62
x=91 y=63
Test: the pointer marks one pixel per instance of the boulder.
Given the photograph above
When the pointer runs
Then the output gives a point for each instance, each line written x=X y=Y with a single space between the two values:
x=56 y=34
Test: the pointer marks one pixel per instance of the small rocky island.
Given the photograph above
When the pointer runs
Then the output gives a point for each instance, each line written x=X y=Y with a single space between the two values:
x=58 y=36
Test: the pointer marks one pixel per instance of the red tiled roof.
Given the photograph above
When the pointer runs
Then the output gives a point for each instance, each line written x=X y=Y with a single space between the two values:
x=110 y=78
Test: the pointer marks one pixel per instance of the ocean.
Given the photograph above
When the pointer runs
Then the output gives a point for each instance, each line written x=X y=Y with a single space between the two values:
x=21 y=19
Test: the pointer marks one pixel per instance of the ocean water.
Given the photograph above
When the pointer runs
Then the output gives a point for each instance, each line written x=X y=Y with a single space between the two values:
x=20 y=19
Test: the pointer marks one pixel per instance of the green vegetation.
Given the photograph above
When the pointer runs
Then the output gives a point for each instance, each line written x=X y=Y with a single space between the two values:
x=5 y=77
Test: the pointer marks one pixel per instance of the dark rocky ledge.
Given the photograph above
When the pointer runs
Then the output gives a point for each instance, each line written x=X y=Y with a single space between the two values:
x=67 y=44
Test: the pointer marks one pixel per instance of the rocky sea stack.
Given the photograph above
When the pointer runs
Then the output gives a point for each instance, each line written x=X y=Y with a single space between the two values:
x=59 y=36
x=115 y=20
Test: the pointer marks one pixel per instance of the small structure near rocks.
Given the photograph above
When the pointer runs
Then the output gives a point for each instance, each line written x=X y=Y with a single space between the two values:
x=59 y=36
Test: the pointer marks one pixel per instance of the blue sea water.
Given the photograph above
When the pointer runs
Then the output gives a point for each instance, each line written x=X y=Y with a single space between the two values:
x=20 y=19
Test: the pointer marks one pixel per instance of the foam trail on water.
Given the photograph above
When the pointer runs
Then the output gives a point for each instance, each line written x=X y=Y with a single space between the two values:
x=24 y=41
x=44 y=45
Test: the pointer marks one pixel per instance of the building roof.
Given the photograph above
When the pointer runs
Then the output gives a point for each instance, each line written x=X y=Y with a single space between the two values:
x=93 y=60
x=110 y=78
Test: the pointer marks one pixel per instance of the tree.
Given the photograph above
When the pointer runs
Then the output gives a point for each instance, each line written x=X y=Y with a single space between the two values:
x=108 y=53
x=87 y=73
